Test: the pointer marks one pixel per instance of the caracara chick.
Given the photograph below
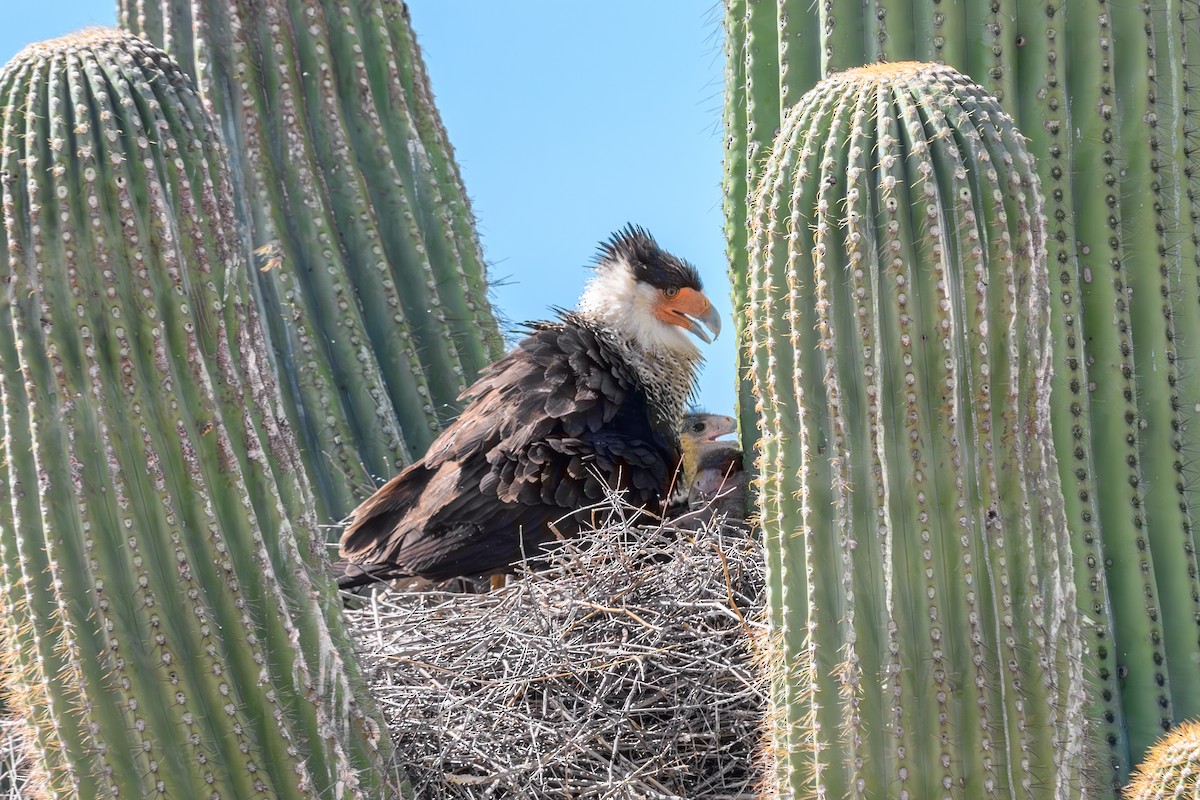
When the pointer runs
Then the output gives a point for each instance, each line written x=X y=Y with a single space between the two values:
x=711 y=481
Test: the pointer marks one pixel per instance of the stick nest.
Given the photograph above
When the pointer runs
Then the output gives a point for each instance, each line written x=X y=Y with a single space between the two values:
x=620 y=669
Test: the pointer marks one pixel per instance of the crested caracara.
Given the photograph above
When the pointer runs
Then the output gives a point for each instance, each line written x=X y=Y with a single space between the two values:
x=591 y=402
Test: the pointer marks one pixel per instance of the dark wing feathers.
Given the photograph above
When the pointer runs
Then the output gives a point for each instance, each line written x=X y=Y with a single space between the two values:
x=541 y=428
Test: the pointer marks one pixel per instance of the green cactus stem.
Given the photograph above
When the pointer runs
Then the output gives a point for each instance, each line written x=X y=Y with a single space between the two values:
x=898 y=326
x=1106 y=93
x=169 y=630
x=371 y=280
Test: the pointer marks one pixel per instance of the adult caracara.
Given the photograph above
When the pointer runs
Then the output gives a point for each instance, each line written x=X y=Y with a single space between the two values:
x=593 y=400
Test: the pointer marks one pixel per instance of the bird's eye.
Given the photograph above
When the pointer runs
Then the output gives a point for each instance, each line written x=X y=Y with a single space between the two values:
x=671 y=291
x=697 y=427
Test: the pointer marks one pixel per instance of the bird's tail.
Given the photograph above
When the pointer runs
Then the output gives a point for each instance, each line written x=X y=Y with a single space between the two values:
x=372 y=526
x=351 y=576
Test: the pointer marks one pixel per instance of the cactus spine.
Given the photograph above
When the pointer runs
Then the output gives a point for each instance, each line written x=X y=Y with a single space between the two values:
x=168 y=631
x=1171 y=770
x=373 y=287
x=1122 y=231
x=899 y=339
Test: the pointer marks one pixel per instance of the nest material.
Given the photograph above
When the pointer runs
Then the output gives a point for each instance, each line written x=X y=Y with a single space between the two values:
x=621 y=669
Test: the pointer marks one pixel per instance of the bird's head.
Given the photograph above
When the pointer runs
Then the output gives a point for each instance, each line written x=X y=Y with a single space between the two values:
x=701 y=433
x=649 y=295
x=700 y=427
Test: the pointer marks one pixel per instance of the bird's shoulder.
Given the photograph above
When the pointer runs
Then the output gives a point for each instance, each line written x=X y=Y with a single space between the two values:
x=569 y=353
x=563 y=377
x=560 y=408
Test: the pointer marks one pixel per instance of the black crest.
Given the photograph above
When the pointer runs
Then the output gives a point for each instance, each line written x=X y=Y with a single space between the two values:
x=649 y=262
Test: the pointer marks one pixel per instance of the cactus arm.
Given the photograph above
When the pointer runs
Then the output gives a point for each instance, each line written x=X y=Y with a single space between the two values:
x=999 y=65
x=949 y=26
x=89 y=444
x=773 y=379
x=1174 y=500
x=39 y=650
x=849 y=34
x=182 y=497
x=197 y=656
x=736 y=187
x=303 y=637
x=934 y=630
x=801 y=52
x=355 y=190
x=457 y=269
x=269 y=490
x=377 y=314
x=1148 y=709
x=1125 y=263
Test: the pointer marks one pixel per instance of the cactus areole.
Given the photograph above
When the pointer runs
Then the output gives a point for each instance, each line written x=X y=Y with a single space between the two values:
x=898 y=333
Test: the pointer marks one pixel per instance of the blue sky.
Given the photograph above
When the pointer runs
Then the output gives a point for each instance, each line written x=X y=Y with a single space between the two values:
x=568 y=120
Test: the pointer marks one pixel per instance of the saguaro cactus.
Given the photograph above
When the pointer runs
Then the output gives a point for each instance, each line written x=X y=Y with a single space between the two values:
x=372 y=279
x=1122 y=234
x=1171 y=770
x=167 y=628
x=898 y=331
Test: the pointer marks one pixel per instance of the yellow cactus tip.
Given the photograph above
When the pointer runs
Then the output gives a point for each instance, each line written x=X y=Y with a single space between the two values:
x=890 y=70
x=87 y=39
x=1171 y=768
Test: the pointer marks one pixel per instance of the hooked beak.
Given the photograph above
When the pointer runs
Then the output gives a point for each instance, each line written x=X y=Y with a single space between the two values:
x=696 y=323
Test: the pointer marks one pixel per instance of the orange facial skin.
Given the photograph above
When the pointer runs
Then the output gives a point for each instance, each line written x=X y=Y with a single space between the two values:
x=691 y=310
